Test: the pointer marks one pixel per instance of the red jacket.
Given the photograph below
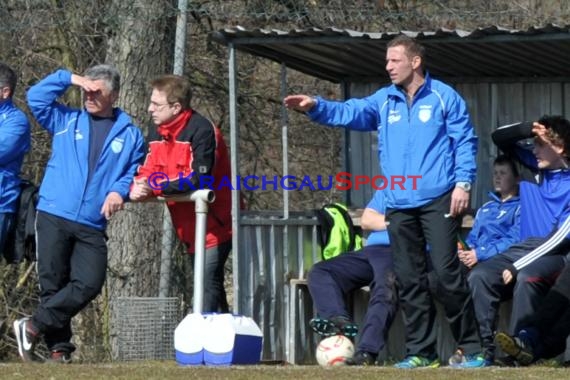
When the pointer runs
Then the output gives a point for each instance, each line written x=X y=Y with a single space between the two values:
x=192 y=144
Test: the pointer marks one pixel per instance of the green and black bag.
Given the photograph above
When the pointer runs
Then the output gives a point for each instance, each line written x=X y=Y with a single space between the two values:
x=336 y=232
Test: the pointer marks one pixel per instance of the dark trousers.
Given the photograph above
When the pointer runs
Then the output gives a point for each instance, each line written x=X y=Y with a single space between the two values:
x=552 y=320
x=531 y=285
x=72 y=264
x=410 y=230
x=215 y=299
x=331 y=281
x=6 y=222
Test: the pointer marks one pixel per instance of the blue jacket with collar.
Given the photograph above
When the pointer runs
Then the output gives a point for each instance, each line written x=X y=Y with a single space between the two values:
x=64 y=191
x=545 y=199
x=496 y=227
x=14 y=144
x=432 y=138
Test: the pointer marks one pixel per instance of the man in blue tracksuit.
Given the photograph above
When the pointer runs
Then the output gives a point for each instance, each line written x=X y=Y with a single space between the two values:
x=497 y=222
x=14 y=143
x=95 y=153
x=528 y=269
x=423 y=130
x=332 y=280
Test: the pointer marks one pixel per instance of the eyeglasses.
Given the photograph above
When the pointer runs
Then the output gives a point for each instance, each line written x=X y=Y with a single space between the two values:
x=159 y=106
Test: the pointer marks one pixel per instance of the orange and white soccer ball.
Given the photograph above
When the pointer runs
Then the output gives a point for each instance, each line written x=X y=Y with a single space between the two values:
x=334 y=350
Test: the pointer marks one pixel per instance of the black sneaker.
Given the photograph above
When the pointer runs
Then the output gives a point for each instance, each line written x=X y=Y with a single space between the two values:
x=334 y=326
x=345 y=326
x=27 y=337
x=323 y=327
x=361 y=358
x=59 y=357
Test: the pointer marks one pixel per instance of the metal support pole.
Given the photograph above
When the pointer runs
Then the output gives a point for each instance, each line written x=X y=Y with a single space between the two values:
x=201 y=198
x=202 y=201
x=167 y=239
x=346 y=161
x=234 y=152
x=284 y=139
x=291 y=333
x=180 y=39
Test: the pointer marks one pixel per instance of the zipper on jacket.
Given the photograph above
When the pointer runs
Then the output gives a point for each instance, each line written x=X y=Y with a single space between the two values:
x=108 y=141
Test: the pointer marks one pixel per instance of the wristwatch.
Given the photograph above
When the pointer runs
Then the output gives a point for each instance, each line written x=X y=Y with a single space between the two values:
x=466 y=186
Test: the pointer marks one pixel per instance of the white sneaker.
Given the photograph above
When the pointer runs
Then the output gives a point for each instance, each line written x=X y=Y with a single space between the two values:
x=26 y=339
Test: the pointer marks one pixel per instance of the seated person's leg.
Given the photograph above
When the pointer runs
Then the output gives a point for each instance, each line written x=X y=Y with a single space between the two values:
x=533 y=343
x=487 y=291
x=554 y=339
x=546 y=333
x=554 y=315
x=533 y=283
x=382 y=306
x=330 y=282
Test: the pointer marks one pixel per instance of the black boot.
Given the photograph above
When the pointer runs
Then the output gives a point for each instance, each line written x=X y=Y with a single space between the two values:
x=362 y=358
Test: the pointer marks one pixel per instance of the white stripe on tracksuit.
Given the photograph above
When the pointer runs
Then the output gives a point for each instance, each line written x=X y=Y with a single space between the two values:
x=545 y=247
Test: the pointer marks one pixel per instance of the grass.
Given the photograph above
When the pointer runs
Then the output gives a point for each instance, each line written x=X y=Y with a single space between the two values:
x=168 y=370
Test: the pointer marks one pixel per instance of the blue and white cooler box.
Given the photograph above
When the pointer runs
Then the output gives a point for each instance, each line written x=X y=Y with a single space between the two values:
x=217 y=340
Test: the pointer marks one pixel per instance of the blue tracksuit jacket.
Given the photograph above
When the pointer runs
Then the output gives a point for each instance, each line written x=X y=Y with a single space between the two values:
x=545 y=208
x=14 y=143
x=64 y=191
x=432 y=138
x=496 y=227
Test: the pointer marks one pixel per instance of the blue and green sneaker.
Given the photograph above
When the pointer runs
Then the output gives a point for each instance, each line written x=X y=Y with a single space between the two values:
x=415 y=361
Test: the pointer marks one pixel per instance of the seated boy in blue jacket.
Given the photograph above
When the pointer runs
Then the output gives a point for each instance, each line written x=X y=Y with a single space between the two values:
x=497 y=222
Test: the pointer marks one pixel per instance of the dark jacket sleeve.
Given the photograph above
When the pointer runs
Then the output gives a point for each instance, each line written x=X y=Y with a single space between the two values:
x=507 y=138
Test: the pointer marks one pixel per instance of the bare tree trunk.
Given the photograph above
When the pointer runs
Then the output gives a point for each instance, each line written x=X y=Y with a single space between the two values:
x=139 y=48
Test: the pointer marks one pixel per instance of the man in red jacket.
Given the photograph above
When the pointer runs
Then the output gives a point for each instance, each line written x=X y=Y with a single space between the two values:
x=188 y=150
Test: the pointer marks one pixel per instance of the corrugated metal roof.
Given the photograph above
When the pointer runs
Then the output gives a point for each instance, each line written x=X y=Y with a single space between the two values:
x=342 y=54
